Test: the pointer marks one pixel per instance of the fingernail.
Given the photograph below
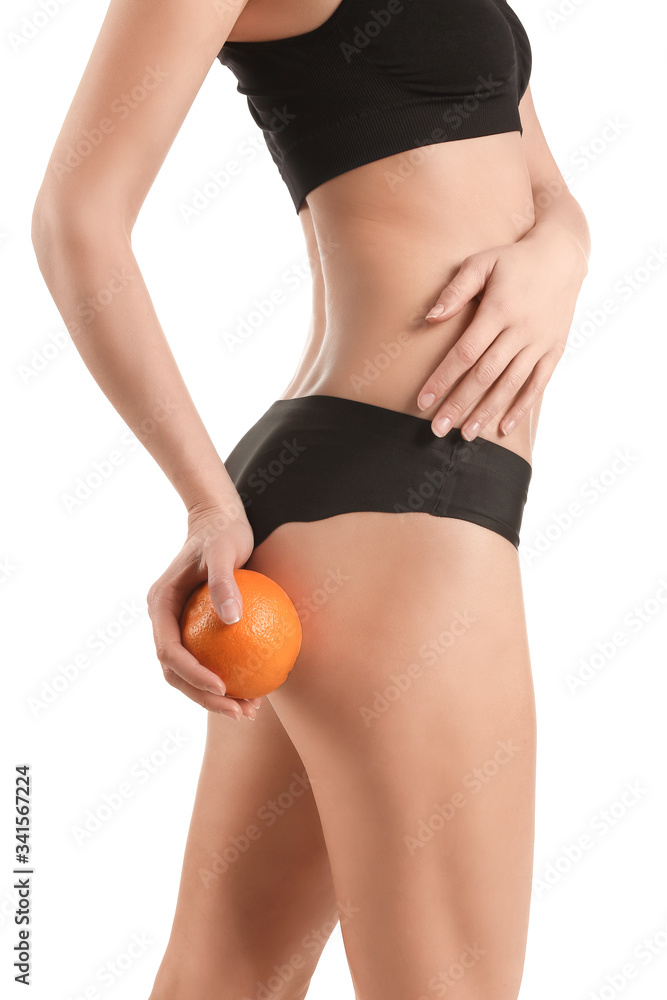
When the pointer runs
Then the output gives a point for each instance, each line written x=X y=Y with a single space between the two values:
x=435 y=311
x=442 y=427
x=508 y=426
x=427 y=400
x=471 y=430
x=216 y=690
x=230 y=612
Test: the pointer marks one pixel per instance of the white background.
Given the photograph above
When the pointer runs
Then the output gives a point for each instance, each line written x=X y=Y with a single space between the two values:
x=68 y=573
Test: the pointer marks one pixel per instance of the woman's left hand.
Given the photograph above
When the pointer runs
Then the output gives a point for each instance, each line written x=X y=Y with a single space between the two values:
x=527 y=293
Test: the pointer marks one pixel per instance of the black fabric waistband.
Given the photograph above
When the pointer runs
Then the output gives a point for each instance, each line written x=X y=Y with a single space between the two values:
x=311 y=457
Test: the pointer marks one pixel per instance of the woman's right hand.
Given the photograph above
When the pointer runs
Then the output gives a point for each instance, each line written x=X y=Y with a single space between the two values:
x=219 y=541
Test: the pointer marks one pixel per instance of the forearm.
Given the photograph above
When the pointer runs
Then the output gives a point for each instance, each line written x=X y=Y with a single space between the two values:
x=559 y=217
x=97 y=286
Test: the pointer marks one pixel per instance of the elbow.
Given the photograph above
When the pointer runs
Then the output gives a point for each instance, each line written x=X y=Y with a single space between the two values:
x=72 y=221
x=40 y=228
x=583 y=231
x=51 y=227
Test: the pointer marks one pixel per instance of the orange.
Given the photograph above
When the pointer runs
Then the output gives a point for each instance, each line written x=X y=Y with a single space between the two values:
x=254 y=655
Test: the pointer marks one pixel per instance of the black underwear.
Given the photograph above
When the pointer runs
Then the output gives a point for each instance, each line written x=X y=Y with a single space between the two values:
x=311 y=457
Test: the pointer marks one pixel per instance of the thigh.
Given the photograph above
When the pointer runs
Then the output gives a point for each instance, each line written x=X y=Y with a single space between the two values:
x=256 y=902
x=411 y=705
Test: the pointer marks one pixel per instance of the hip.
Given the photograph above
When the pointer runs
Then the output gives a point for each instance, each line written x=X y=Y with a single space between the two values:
x=388 y=373
x=312 y=457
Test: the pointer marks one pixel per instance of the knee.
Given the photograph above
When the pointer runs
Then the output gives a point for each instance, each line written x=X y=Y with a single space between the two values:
x=280 y=982
x=240 y=981
x=237 y=970
x=475 y=983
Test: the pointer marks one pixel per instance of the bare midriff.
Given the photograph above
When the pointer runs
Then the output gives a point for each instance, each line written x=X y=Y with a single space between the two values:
x=383 y=240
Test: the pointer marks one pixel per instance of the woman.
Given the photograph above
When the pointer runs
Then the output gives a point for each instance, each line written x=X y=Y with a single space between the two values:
x=390 y=781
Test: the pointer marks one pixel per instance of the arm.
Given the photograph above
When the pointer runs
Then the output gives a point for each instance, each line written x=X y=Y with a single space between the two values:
x=557 y=213
x=527 y=292
x=85 y=212
x=105 y=159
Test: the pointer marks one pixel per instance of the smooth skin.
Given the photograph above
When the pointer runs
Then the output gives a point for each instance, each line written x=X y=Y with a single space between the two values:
x=391 y=778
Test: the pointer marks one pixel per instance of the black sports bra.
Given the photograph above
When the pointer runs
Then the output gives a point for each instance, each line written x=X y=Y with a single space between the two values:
x=377 y=79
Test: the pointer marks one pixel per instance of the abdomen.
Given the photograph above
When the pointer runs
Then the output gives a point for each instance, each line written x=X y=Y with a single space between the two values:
x=396 y=231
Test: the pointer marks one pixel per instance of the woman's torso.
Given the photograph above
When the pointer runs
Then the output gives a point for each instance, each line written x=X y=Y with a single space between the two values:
x=384 y=239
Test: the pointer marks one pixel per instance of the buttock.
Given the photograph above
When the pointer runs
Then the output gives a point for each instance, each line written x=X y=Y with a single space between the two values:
x=312 y=457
